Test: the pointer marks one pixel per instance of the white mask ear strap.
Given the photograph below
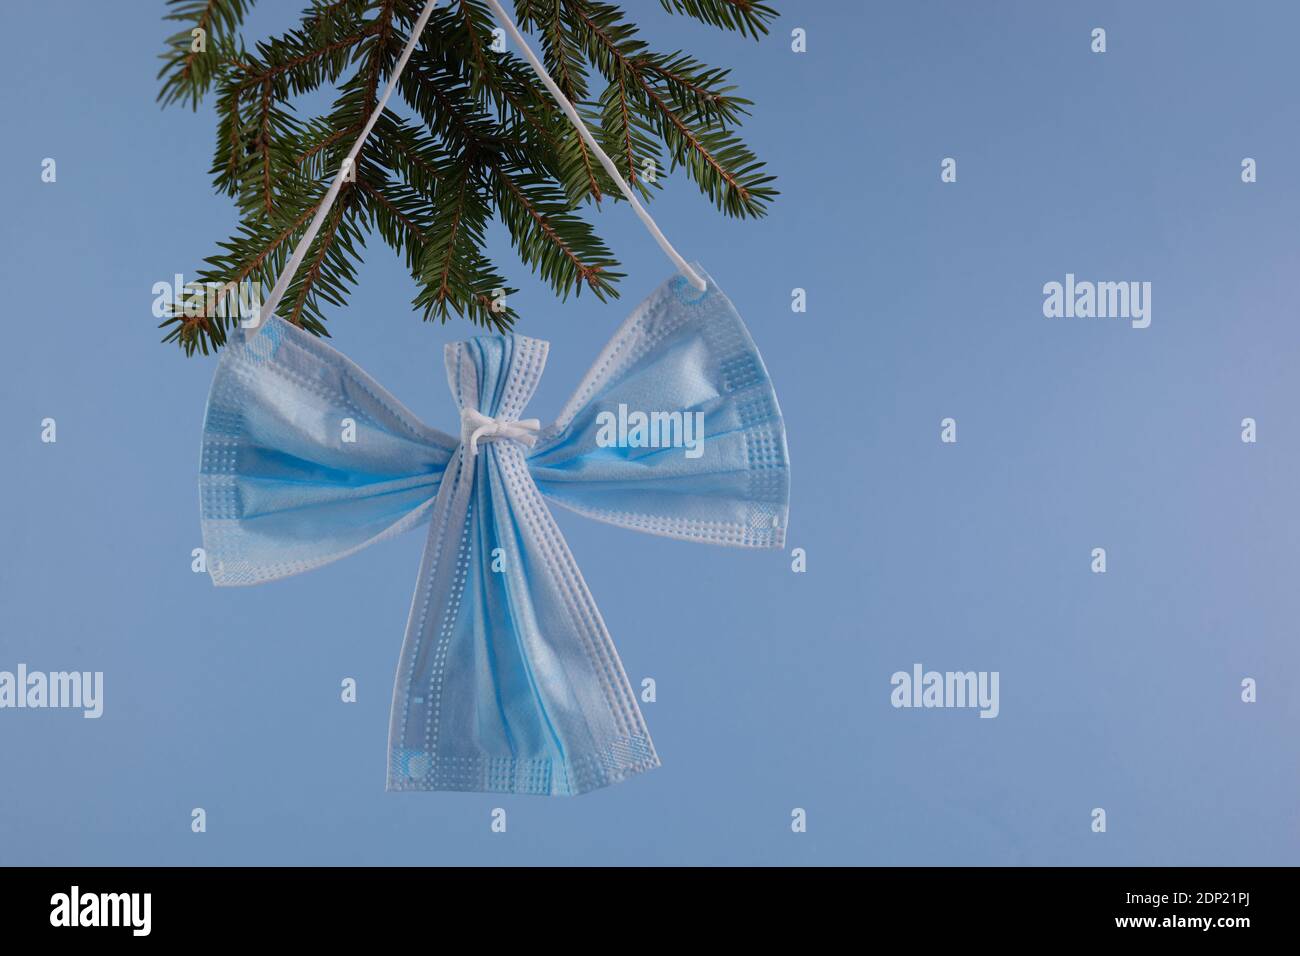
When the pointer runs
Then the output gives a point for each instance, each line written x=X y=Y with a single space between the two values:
x=682 y=265
x=300 y=250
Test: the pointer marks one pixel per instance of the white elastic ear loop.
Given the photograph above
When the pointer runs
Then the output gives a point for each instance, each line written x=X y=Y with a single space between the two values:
x=300 y=251
x=682 y=265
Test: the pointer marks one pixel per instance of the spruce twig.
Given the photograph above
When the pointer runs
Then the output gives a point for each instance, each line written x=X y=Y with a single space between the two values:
x=482 y=142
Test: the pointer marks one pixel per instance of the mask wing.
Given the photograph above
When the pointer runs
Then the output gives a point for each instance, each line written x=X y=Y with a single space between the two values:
x=306 y=459
x=686 y=357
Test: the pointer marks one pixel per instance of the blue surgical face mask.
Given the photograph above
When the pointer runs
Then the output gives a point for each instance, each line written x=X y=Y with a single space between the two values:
x=508 y=680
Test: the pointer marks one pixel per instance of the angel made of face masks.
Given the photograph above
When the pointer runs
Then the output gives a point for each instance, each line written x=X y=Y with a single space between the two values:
x=508 y=680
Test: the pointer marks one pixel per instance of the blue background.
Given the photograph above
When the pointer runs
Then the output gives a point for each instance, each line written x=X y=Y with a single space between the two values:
x=1119 y=691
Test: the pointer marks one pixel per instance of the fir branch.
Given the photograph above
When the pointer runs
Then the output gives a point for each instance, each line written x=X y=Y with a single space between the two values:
x=379 y=55
x=453 y=272
x=307 y=68
x=254 y=254
x=336 y=245
x=188 y=73
x=746 y=17
x=561 y=246
x=264 y=146
x=325 y=141
x=626 y=137
x=486 y=144
x=565 y=153
x=724 y=168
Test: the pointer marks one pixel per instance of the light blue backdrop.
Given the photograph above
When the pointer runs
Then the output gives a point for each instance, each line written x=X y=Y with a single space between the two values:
x=1119 y=691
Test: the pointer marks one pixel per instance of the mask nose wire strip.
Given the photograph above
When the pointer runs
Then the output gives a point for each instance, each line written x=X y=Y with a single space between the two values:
x=326 y=203
x=682 y=265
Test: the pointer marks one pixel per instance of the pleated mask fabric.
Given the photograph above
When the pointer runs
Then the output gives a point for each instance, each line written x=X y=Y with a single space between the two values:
x=508 y=680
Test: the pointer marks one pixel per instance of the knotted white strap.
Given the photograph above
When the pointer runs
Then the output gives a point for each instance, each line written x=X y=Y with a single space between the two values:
x=300 y=251
x=480 y=426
